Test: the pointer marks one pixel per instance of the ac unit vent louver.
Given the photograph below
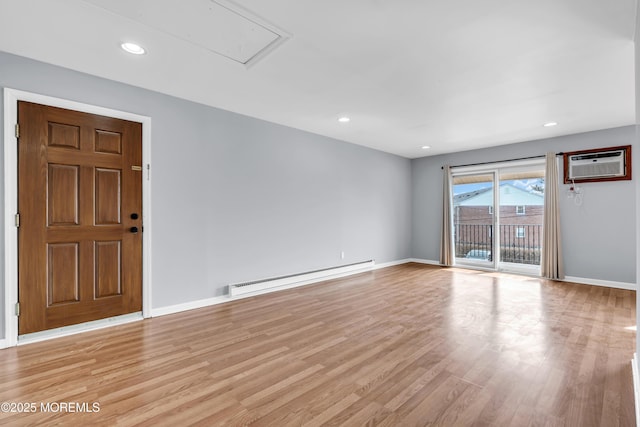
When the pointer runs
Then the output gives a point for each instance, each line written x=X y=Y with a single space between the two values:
x=604 y=164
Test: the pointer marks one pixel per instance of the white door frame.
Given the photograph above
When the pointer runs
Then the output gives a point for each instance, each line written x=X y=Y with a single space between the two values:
x=11 y=98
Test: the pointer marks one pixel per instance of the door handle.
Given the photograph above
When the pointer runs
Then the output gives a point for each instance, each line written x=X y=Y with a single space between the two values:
x=133 y=229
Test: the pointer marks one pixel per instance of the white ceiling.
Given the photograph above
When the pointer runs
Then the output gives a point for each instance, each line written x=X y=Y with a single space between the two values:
x=452 y=74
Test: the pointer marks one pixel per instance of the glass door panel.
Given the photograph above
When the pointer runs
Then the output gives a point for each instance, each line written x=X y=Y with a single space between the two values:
x=473 y=219
x=521 y=201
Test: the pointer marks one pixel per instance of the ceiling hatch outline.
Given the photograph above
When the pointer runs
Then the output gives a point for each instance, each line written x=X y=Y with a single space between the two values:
x=282 y=35
x=222 y=27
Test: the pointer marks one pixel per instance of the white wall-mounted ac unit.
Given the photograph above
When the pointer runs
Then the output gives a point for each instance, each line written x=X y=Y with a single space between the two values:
x=604 y=164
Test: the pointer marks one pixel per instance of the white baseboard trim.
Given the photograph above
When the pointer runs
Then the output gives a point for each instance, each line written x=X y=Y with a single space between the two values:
x=191 y=305
x=636 y=386
x=424 y=261
x=391 y=264
x=598 y=282
x=573 y=279
x=4 y=343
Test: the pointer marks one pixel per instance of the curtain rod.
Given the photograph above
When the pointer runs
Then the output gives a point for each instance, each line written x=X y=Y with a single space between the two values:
x=542 y=156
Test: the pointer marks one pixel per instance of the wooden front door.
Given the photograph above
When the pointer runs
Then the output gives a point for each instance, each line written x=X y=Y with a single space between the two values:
x=80 y=206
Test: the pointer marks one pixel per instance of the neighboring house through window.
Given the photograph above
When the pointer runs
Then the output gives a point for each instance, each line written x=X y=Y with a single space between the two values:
x=520 y=210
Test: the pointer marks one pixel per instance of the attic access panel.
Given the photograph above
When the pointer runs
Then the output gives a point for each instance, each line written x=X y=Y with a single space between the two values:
x=219 y=26
x=597 y=165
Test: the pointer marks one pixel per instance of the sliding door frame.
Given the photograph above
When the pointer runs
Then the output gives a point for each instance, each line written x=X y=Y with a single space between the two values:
x=495 y=169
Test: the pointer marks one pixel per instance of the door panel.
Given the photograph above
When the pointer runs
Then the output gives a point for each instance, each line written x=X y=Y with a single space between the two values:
x=62 y=278
x=78 y=261
x=66 y=136
x=62 y=194
x=474 y=219
x=108 y=184
x=108 y=268
x=521 y=215
x=108 y=142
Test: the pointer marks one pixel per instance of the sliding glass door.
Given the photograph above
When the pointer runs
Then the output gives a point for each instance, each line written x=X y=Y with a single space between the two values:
x=497 y=216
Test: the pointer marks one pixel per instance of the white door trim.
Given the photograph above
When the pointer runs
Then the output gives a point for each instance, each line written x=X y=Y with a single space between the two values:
x=11 y=98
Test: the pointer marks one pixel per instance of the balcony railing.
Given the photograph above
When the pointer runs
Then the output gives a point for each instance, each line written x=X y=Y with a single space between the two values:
x=519 y=243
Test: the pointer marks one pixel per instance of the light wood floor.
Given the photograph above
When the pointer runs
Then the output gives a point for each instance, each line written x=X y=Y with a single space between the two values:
x=403 y=346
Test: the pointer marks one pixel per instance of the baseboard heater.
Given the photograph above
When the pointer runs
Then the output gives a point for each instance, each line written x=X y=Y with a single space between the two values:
x=298 y=279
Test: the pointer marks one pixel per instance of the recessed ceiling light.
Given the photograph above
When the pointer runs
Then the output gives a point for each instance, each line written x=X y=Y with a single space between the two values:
x=344 y=119
x=133 y=48
x=550 y=124
x=426 y=147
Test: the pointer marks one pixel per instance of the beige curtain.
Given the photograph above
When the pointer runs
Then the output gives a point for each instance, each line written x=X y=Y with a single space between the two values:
x=446 y=239
x=551 y=259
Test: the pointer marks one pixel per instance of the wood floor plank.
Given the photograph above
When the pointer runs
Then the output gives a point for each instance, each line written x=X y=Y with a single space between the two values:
x=409 y=345
x=332 y=411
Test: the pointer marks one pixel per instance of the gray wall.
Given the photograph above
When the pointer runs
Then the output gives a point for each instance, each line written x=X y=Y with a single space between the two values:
x=636 y=159
x=598 y=237
x=235 y=198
